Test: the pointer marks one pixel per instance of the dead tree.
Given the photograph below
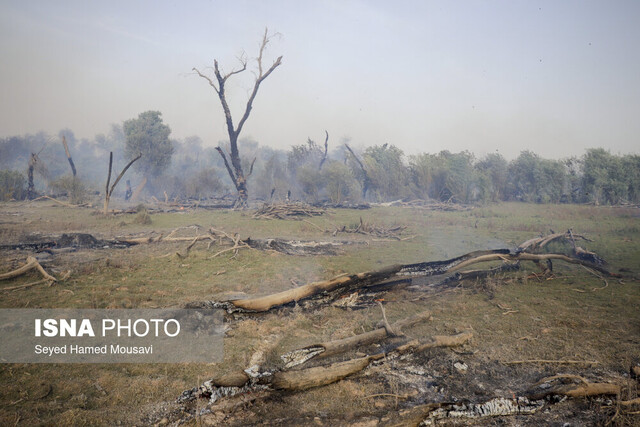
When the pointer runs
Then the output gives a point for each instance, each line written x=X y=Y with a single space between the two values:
x=236 y=173
x=31 y=191
x=366 y=181
x=35 y=165
x=326 y=148
x=66 y=150
x=109 y=191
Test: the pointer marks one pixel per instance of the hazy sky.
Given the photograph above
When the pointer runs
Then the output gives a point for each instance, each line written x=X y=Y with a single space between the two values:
x=554 y=76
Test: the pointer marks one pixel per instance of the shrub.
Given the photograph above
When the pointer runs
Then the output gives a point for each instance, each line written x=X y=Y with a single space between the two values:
x=12 y=185
x=72 y=186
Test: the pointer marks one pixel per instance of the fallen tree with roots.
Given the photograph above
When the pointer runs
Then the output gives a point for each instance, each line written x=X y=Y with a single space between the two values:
x=311 y=295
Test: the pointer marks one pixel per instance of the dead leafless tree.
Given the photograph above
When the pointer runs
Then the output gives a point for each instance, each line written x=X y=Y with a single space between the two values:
x=31 y=189
x=109 y=191
x=68 y=153
x=326 y=148
x=235 y=169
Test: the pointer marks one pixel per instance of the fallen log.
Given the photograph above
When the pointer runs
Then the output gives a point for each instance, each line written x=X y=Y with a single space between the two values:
x=446 y=341
x=555 y=386
x=68 y=240
x=30 y=265
x=319 y=375
x=25 y=286
x=288 y=247
x=542 y=241
x=298 y=247
x=532 y=402
x=299 y=380
x=465 y=410
x=302 y=355
x=344 y=282
x=340 y=285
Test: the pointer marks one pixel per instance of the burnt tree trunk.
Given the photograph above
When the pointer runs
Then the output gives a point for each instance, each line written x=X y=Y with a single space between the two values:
x=68 y=153
x=326 y=149
x=31 y=191
x=109 y=191
x=235 y=169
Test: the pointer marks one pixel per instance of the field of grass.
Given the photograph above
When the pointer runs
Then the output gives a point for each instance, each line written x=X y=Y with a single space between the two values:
x=571 y=315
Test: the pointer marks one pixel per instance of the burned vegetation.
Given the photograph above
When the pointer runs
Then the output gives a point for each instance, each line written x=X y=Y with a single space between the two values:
x=400 y=343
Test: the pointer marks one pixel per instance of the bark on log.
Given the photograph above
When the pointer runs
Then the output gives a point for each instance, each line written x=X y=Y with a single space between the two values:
x=251 y=380
x=318 y=376
x=346 y=283
x=576 y=390
x=267 y=302
x=302 y=355
x=496 y=407
x=541 y=242
x=446 y=341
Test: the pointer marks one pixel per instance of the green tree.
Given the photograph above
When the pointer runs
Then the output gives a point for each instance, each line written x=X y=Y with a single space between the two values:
x=444 y=176
x=12 y=185
x=387 y=172
x=340 y=183
x=533 y=179
x=149 y=136
x=493 y=174
x=631 y=168
x=310 y=181
x=602 y=177
x=422 y=168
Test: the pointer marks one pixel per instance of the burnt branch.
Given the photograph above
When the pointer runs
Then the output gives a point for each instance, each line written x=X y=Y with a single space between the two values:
x=259 y=79
x=109 y=191
x=251 y=167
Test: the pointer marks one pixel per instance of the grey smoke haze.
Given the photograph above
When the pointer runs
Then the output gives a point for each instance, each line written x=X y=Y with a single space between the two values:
x=553 y=77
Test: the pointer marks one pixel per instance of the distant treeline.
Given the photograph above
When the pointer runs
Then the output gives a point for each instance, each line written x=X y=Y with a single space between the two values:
x=304 y=172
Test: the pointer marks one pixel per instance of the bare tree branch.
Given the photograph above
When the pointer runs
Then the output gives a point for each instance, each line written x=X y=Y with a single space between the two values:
x=109 y=192
x=206 y=78
x=259 y=79
x=226 y=163
x=251 y=167
x=113 y=187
